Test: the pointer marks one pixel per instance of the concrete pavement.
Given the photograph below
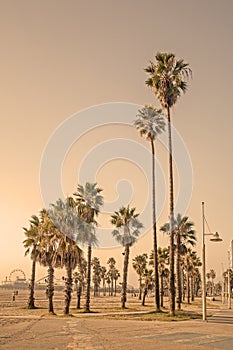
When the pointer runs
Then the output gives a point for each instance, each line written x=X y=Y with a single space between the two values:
x=105 y=334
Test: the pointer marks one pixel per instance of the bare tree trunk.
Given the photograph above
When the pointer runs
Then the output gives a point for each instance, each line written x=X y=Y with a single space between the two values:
x=172 y=290
x=50 y=288
x=125 y=273
x=87 y=306
x=115 y=288
x=68 y=289
x=31 y=300
x=157 y=301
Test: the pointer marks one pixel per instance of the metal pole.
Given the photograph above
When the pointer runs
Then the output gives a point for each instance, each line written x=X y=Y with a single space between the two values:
x=203 y=266
x=229 y=288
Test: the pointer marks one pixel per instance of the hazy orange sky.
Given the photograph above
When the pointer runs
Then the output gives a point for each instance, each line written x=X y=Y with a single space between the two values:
x=59 y=57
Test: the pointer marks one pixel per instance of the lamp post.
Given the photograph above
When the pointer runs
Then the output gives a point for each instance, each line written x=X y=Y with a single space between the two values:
x=215 y=238
x=229 y=281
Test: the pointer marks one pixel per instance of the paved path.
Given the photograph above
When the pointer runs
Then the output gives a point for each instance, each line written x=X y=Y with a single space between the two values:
x=104 y=334
x=222 y=316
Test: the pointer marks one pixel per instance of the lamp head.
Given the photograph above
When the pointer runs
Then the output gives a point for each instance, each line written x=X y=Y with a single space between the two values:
x=216 y=238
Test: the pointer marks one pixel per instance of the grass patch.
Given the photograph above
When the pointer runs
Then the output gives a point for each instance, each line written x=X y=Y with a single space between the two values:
x=162 y=316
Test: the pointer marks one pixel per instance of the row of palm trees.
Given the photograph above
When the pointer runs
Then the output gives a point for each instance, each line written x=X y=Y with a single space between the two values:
x=76 y=217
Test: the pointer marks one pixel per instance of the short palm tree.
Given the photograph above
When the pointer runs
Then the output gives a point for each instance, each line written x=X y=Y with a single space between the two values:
x=103 y=277
x=47 y=255
x=168 y=80
x=79 y=279
x=184 y=235
x=70 y=255
x=212 y=276
x=111 y=263
x=65 y=216
x=126 y=233
x=139 y=265
x=147 y=282
x=96 y=267
x=163 y=260
x=88 y=200
x=31 y=243
x=116 y=275
x=150 y=123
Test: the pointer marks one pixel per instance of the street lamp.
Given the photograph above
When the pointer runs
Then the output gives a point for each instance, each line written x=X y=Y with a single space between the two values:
x=215 y=238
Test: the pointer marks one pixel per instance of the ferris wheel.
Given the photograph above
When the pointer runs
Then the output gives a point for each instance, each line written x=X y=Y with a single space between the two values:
x=17 y=275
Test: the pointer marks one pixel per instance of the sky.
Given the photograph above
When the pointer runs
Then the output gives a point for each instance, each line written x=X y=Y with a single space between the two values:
x=60 y=58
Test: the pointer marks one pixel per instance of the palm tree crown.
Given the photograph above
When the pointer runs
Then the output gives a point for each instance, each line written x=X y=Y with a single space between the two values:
x=126 y=219
x=168 y=78
x=150 y=122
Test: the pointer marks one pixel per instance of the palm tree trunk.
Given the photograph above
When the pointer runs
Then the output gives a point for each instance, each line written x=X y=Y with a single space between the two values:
x=104 y=291
x=115 y=288
x=178 y=274
x=172 y=290
x=192 y=287
x=188 y=288
x=50 y=288
x=68 y=289
x=31 y=300
x=87 y=307
x=125 y=272
x=140 y=287
x=111 y=286
x=161 y=290
x=156 y=273
x=79 y=293
x=183 y=285
x=144 y=296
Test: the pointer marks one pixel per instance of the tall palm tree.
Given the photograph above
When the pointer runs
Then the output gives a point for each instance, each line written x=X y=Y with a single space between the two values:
x=150 y=123
x=31 y=243
x=168 y=80
x=89 y=200
x=139 y=265
x=184 y=234
x=126 y=233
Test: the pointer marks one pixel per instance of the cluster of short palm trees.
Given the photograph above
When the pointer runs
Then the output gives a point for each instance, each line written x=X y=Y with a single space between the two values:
x=188 y=278
x=52 y=238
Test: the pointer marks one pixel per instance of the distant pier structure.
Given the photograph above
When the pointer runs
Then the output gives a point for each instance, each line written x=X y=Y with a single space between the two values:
x=17 y=279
